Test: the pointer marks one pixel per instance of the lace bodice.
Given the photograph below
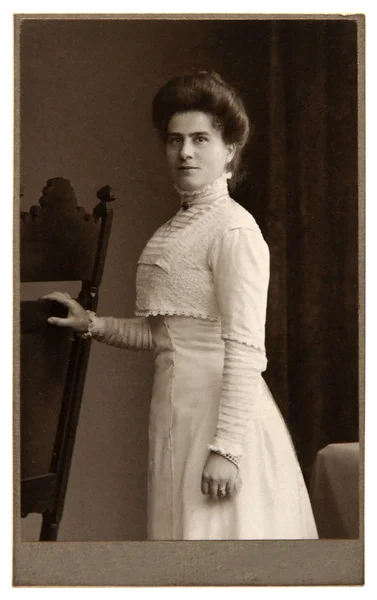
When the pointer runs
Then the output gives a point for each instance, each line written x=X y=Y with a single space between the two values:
x=210 y=261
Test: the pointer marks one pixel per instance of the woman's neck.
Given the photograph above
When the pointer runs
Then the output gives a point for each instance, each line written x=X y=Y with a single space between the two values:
x=205 y=195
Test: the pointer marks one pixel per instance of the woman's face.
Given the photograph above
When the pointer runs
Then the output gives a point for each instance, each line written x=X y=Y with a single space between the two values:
x=195 y=150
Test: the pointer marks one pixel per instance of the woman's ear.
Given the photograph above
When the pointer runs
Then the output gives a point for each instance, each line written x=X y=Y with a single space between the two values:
x=231 y=153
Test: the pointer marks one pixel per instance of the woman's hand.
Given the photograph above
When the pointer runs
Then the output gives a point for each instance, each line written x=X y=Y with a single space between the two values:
x=77 y=317
x=220 y=477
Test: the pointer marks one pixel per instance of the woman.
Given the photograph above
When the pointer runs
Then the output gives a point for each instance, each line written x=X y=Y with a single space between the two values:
x=221 y=461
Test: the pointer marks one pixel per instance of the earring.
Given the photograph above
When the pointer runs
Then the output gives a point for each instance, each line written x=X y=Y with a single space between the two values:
x=229 y=175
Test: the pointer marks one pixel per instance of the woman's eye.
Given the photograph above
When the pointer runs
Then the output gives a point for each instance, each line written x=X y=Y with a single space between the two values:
x=174 y=140
x=201 y=139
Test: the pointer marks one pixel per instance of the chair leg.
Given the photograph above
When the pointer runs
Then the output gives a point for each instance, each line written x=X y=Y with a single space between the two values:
x=50 y=526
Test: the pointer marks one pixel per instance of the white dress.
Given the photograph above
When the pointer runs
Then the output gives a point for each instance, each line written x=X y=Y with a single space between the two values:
x=208 y=391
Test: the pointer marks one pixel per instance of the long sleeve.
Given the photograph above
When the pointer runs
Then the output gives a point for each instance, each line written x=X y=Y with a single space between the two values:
x=240 y=265
x=133 y=334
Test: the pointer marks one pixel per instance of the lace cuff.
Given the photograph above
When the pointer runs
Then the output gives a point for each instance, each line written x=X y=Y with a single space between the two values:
x=88 y=334
x=233 y=459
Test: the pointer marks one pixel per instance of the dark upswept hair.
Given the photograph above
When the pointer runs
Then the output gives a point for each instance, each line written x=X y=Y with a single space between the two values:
x=208 y=93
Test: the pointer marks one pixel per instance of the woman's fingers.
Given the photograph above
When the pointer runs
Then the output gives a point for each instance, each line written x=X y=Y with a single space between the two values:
x=233 y=486
x=213 y=489
x=61 y=297
x=230 y=488
x=64 y=299
x=60 y=322
x=222 y=491
x=205 y=486
x=218 y=490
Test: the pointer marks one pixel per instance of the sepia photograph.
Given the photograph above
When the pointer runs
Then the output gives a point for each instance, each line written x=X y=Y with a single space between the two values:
x=188 y=225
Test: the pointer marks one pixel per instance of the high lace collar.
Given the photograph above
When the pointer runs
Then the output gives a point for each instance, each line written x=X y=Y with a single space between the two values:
x=206 y=195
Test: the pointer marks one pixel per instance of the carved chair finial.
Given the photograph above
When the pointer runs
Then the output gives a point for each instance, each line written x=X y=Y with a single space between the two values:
x=58 y=193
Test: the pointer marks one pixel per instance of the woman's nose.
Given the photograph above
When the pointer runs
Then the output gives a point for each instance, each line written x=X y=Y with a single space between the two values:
x=186 y=150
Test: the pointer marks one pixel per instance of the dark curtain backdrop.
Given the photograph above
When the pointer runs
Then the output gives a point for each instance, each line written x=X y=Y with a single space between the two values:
x=302 y=187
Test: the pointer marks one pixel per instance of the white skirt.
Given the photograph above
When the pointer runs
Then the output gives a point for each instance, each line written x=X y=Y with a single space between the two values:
x=273 y=502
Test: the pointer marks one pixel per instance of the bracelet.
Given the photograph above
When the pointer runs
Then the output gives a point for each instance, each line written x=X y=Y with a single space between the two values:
x=233 y=459
x=87 y=334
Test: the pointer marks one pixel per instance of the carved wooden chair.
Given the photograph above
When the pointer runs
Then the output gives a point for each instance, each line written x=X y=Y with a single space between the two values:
x=59 y=242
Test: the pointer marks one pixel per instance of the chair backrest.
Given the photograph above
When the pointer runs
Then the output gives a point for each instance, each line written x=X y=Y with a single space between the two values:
x=59 y=242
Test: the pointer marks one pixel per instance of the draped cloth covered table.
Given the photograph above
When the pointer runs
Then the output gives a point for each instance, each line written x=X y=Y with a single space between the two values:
x=335 y=491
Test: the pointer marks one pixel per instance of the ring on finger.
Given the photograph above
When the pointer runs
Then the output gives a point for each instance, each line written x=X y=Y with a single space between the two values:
x=222 y=492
